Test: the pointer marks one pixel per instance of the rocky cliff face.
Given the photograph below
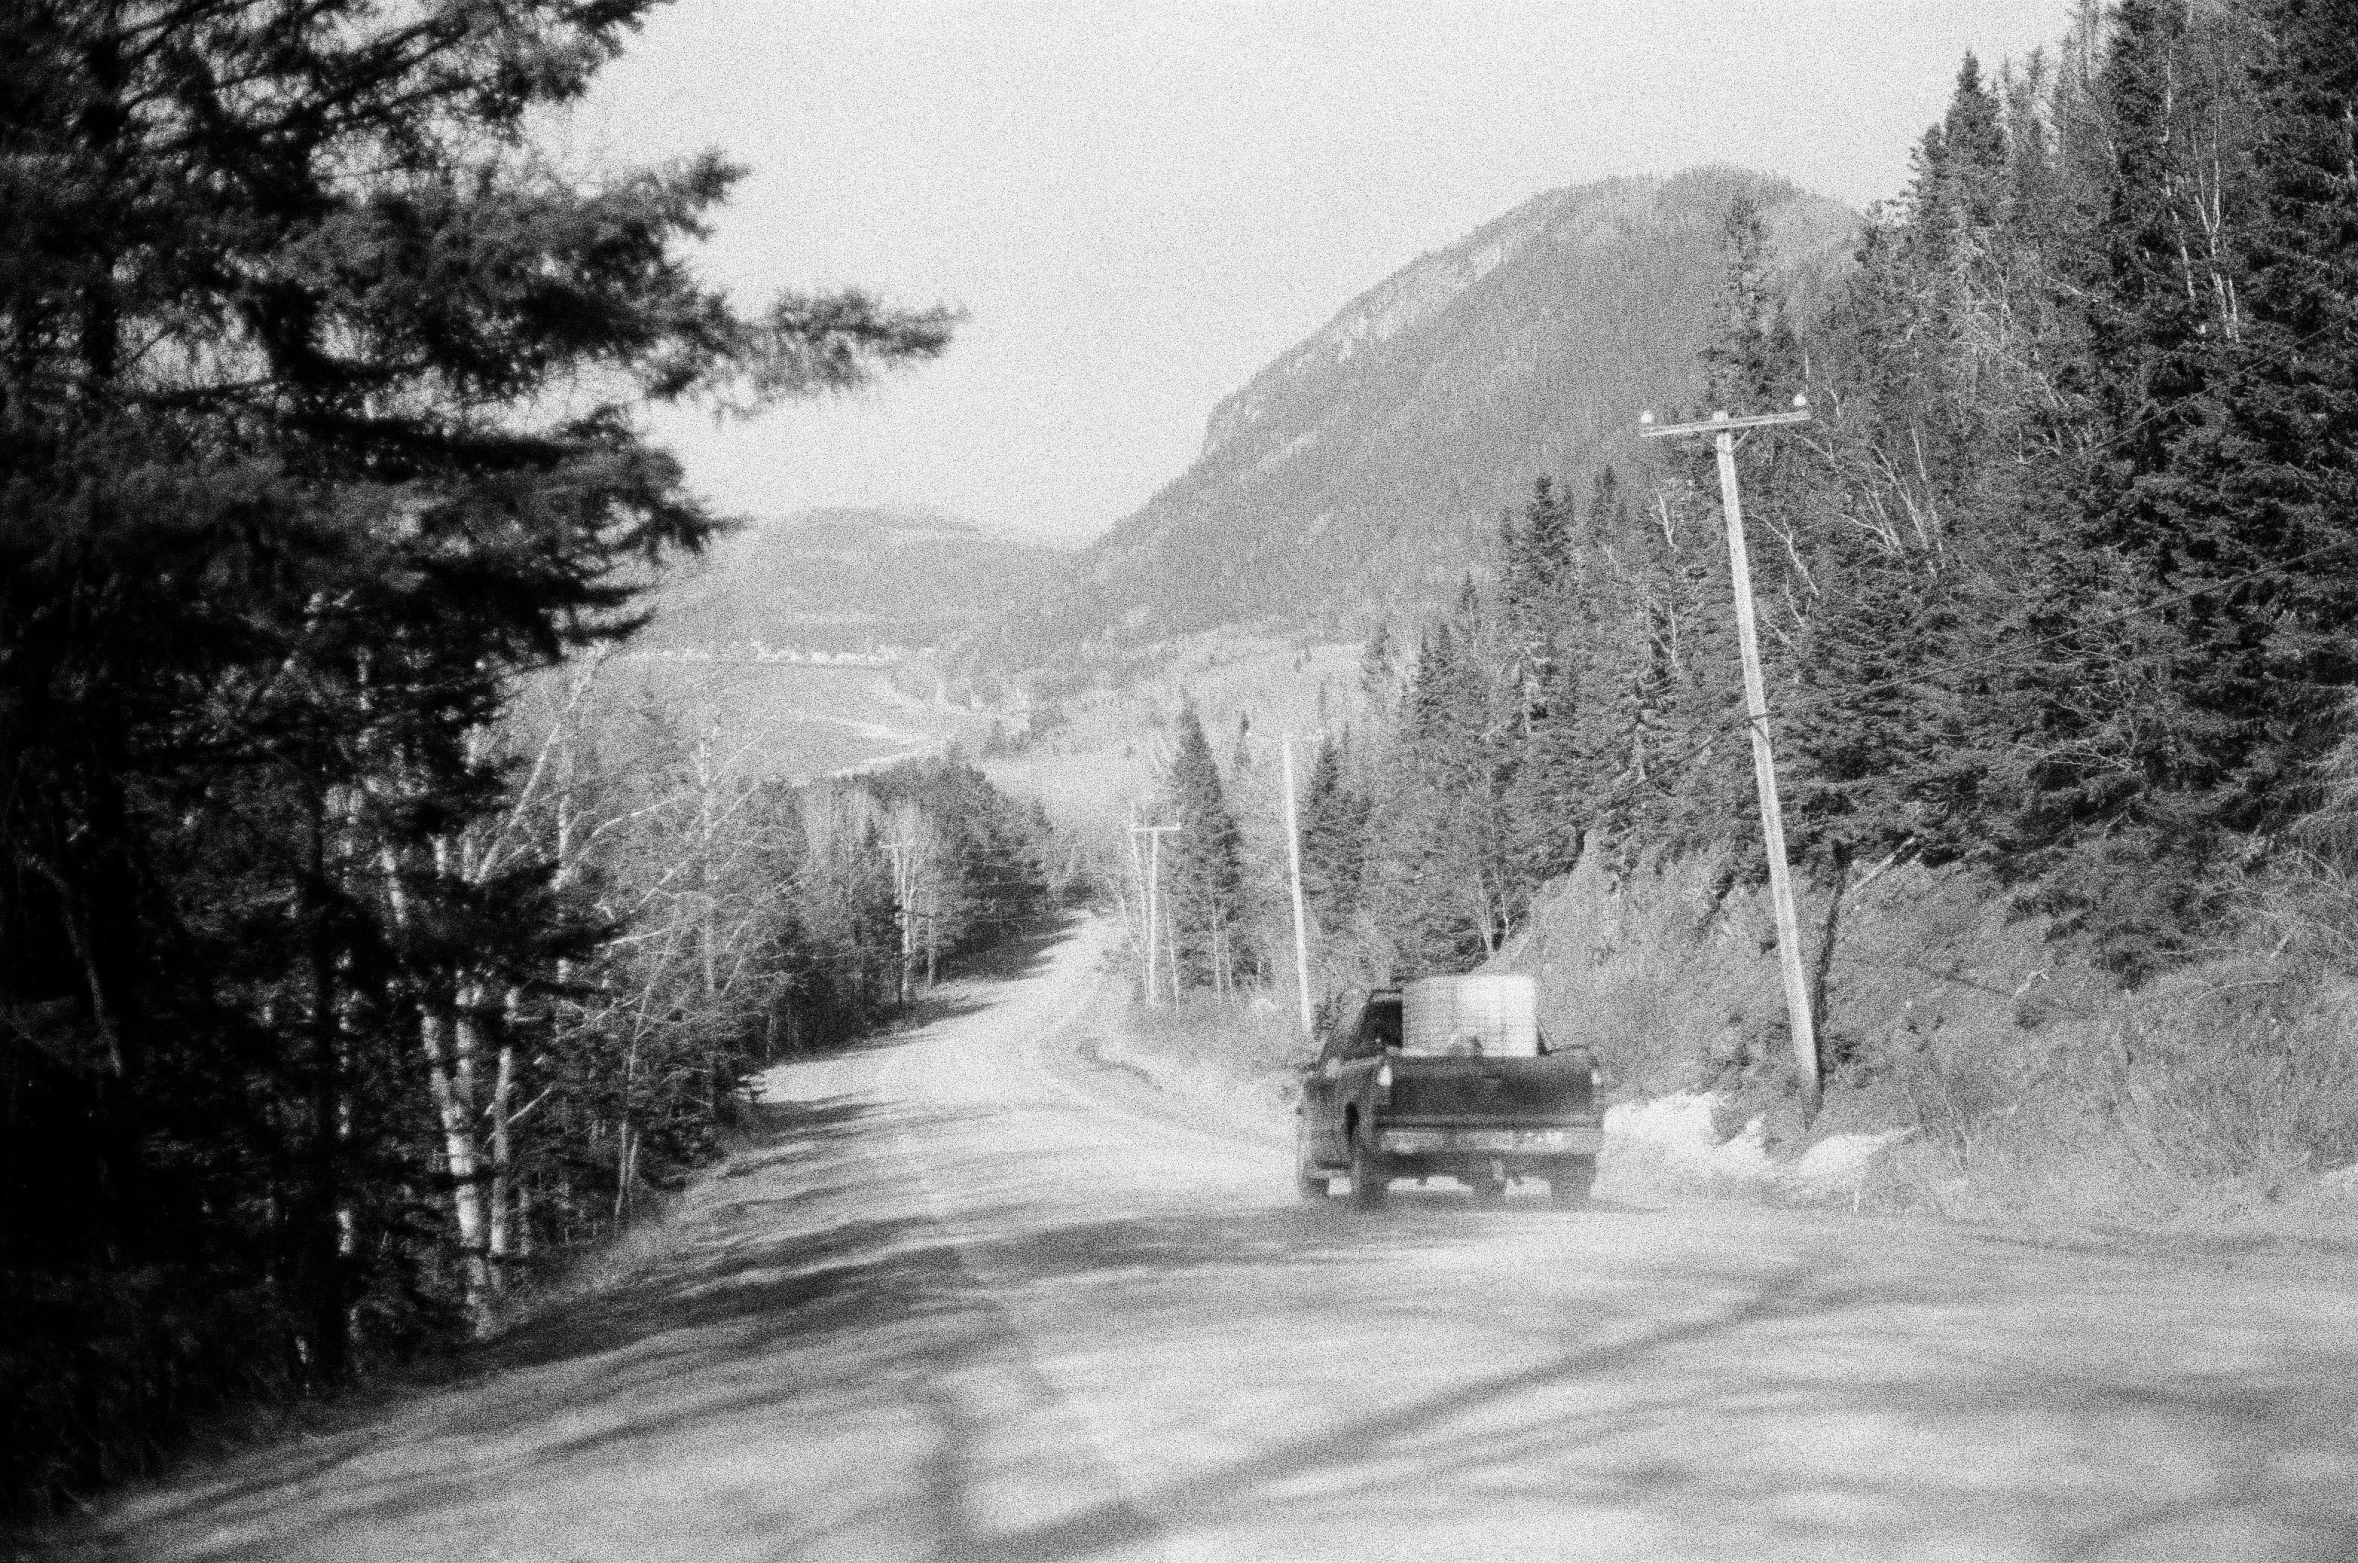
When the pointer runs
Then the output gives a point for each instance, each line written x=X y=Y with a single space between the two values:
x=1399 y=303
x=1358 y=475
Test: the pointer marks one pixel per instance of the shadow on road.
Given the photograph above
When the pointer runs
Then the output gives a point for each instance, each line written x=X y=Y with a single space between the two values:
x=773 y=1307
x=810 y=1292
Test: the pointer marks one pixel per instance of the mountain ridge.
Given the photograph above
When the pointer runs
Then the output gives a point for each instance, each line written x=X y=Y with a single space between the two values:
x=848 y=578
x=1400 y=302
x=1360 y=473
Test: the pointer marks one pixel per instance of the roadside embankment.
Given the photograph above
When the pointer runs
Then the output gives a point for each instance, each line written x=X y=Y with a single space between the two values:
x=1978 y=1070
x=1994 y=1071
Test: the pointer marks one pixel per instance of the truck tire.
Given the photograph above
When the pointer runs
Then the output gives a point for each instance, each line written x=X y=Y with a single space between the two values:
x=1367 y=1184
x=1571 y=1180
x=1309 y=1182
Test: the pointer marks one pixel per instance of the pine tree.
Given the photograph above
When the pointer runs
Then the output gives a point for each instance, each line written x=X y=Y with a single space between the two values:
x=1579 y=618
x=1377 y=673
x=1607 y=513
x=2261 y=476
x=285 y=305
x=1334 y=820
x=1975 y=156
x=1753 y=359
x=1536 y=570
x=2141 y=693
x=1536 y=560
x=1453 y=885
x=1203 y=866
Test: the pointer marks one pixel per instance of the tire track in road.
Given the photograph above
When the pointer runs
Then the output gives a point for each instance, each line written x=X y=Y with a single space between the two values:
x=987 y=1403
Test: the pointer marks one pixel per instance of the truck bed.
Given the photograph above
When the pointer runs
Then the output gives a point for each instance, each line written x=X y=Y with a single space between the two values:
x=1553 y=1089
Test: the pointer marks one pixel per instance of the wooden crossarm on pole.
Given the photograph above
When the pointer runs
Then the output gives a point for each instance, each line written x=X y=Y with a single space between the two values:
x=1756 y=420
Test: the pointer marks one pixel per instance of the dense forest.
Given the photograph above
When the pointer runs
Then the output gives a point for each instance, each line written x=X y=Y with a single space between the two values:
x=357 y=954
x=2058 y=589
x=2060 y=582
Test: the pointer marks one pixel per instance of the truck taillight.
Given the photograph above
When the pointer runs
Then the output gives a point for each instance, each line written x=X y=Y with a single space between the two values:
x=1383 y=1079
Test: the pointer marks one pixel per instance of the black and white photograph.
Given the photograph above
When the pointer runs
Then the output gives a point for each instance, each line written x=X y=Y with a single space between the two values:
x=1178 y=781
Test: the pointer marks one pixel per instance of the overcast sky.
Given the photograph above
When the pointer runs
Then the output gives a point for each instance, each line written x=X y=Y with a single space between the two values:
x=1141 y=202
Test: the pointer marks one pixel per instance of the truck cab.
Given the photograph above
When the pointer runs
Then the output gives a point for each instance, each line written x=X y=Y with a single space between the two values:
x=1447 y=1077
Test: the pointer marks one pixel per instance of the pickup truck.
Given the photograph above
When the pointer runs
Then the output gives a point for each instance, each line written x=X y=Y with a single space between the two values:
x=1448 y=1077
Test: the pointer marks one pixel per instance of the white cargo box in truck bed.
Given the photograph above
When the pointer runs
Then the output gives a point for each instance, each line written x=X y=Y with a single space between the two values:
x=1492 y=1014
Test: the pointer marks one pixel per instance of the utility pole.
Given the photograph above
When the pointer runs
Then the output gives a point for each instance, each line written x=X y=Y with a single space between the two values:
x=1722 y=429
x=1154 y=867
x=1293 y=857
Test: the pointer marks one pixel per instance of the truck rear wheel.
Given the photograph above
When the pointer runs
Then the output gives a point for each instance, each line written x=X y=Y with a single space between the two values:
x=1367 y=1184
x=1570 y=1182
x=1309 y=1182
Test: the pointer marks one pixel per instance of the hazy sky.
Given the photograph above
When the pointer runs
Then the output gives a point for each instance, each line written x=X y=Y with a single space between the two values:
x=1141 y=203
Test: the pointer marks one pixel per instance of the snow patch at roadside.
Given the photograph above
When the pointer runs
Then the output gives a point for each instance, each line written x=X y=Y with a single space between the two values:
x=1678 y=1134
x=1667 y=1139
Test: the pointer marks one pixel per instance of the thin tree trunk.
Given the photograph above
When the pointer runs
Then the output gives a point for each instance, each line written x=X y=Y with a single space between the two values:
x=322 y=1237
x=626 y=1162
x=454 y=1109
x=503 y=1164
x=625 y=1150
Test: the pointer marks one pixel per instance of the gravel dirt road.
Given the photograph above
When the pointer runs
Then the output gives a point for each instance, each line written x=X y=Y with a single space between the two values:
x=974 y=1295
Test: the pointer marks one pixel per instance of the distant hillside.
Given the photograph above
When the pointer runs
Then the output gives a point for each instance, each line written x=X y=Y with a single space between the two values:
x=1360 y=473
x=848 y=580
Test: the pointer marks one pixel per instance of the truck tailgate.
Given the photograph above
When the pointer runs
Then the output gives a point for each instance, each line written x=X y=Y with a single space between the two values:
x=1554 y=1089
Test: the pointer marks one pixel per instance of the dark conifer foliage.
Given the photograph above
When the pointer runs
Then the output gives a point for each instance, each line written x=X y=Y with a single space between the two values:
x=1203 y=878
x=2060 y=582
x=2271 y=472
x=282 y=290
x=1334 y=843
